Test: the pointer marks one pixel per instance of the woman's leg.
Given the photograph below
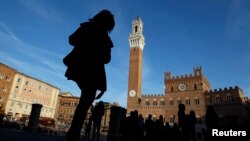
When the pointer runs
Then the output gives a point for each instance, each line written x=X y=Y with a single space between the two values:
x=86 y=100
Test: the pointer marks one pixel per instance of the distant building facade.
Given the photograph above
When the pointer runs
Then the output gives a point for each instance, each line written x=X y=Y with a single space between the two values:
x=193 y=90
x=7 y=75
x=229 y=103
x=66 y=105
x=25 y=91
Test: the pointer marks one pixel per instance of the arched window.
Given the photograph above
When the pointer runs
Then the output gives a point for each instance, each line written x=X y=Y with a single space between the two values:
x=171 y=101
x=5 y=89
x=7 y=78
x=172 y=89
x=162 y=102
x=229 y=98
x=187 y=101
x=19 y=80
x=154 y=102
x=171 y=119
x=195 y=87
x=139 y=100
x=218 y=99
x=196 y=101
x=179 y=101
x=136 y=29
x=208 y=100
x=147 y=102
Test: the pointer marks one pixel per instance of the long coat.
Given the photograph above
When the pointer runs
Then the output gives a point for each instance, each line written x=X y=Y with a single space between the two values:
x=91 y=51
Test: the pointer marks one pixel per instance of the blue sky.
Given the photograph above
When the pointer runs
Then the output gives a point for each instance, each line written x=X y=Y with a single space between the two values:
x=179 y=35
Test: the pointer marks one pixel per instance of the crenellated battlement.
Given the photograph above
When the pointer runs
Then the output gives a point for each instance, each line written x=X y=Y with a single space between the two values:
x=152 y=95
x=197 y=71
x=221 y=90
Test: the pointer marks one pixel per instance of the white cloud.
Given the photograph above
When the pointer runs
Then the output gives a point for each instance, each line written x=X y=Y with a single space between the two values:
x=43 y=9
x=28 y=59
x=10 y=40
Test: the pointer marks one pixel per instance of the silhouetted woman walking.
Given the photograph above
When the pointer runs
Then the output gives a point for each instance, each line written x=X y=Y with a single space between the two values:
x=86 y=64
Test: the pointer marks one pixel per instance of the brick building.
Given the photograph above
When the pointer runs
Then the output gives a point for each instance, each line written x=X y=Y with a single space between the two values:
x=193 y=90
x=229 y=103
x=66 y=105
x=7 y=75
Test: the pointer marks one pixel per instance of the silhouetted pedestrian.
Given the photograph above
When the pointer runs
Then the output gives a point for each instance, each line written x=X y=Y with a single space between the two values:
x=141 y=128
x=176 y=133
x=183 y=122
x=149 y=128
x=159 y=128
x=191 y=125
x=88 y=127
x=86 y=64
x=167 y=128
x=124 y=126
x=132 y=127
x=97 y=114
x=211 y=120
x=135 y=127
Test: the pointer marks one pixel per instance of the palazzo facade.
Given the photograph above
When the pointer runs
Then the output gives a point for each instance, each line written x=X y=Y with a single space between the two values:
x=192 y=90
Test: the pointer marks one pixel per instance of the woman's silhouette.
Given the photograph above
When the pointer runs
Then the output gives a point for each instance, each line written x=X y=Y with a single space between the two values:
x=86 y=64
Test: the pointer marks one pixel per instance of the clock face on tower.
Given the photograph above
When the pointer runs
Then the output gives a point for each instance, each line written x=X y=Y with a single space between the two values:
x=132 y=93
x=182 y=87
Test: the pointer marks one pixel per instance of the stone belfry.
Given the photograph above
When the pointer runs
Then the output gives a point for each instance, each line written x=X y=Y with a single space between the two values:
x=136 y=43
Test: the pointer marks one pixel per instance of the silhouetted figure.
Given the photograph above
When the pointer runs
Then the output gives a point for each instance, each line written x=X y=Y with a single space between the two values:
x=159 y=128
x=86 y=64
x=124 y=126
x=97 y=114
x=176 y=133
x=211 y=120
x=183 y=122
x=191 y=125
x=88 y=127
x=135 y=127
x=141 y=128
x=132 y=127
x=166 y=131
x=149 y=128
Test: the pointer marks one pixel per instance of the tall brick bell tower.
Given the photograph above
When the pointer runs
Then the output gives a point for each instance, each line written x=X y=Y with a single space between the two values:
x=136 y=42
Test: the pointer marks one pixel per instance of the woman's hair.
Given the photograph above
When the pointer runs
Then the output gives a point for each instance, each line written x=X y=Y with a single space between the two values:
x=105 y=19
